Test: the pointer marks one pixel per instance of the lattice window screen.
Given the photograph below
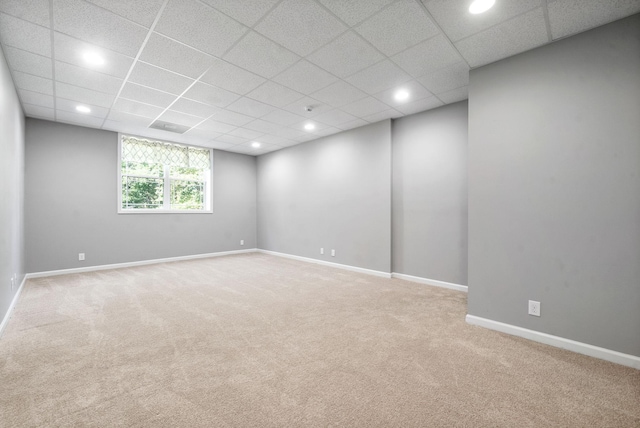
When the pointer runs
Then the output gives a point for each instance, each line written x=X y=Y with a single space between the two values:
x=140 y=150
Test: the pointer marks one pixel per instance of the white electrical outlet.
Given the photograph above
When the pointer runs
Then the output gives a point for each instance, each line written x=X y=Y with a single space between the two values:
x=13 y=282
x=81 y=256
x=321 y=250
x=534 y=308
x=242 y=242
x=333 y=253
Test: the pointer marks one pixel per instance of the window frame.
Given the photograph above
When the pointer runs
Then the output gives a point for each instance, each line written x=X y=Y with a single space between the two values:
x=166 y=179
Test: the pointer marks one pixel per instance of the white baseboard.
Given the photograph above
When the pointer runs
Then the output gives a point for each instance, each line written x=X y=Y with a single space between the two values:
x=558 y=342
x=322 y=262
x=433 y=282
x=7 y=316
x=138 y=263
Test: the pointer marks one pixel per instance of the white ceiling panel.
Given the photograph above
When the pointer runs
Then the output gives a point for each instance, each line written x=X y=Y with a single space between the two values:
x=83 y=95
x=158 y=78
x=93 y=24
x=173 y=56
x=78 y=119
x=25 y=35
x=273 y=139
x=274 y=94
x=180 y=118
x=200 y=26
x=142 y=12
x=446 y=79
x=143 y=94
x=511 y=37
x=36 y=11
x=282 y=117
x=383 y=31
x=232 y=118
x=231 y=77
x=86 y=78
x=194 y=108
x=231 y=139
x=70 y=106
x=139 y=109
x=346 y=55
x=263 y=126
x=458 y=23
x=339 y=94
x=38 y=111
x=245 y=133
x=287 y=134
x=379 y=77
x=419 y=105
x=211 y=95
x=455 y=95
x=214 y=126
x=240 y=11
x=305 y=77
x=301 y=26
x=573 y=16
x=383 y=115
x=428 y=56
x=71 y=50
x=299 y=107
x=28 y=62
x=415 y=89
x=213 y=144
x=365 y=107
x=36 y=98
x=354 y=12
x=335 y=117
x=353 y=124
x=260 y=55
x=33 y=83
x=250 y=107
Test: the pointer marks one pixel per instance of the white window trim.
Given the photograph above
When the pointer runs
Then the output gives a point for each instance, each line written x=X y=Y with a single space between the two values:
x=208 y=183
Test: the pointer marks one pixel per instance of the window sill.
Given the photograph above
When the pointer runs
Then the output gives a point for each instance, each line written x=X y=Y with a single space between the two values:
x=164 y=212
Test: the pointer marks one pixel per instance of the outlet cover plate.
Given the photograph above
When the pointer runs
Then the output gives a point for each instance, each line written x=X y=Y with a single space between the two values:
x=534 y=308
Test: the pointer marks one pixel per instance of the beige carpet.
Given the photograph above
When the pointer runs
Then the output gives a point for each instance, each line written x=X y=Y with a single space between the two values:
x=257 y=340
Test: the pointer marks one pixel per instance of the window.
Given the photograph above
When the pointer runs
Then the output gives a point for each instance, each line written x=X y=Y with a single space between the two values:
x=160 y=177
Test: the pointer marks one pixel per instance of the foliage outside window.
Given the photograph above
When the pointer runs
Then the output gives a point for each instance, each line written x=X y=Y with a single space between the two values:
x=165 y=177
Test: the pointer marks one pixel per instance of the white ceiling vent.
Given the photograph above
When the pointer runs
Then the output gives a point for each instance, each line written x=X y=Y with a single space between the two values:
x=167 y=126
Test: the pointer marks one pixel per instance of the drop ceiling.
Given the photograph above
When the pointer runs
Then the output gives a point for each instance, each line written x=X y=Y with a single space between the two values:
x=233 y=72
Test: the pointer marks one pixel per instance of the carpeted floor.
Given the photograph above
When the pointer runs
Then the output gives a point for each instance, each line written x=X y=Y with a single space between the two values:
x=260 y=341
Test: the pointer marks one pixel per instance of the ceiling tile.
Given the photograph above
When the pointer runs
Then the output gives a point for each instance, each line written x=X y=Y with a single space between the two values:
x=210 y=95
x=217 y=144
x=446 y=79
x=455 y=95
x=38 y=111
x=215 y=126
x=230 y=77
x=274 y=94
x=71 y=50
x=305 y=77
x=70 y=106
x=260 y=55
x=517 y=35
x=282 y=117
x=86 y=78
x=245 y=133
x=272 y=139
x=365 y=107
x=353 y=124
x=129 y=119
x=142 y=94
x=25 y=35
x=180 y=118
x=199 y=26
x=573 y=16
x=158 y=78
x=36 y=11
x=28 y=62
x=420 y=105
x=139 y=109
x=383 y=115
x=231 y=139
x=415 y=89
x=173 y=56
x=194 y=108
x=353 y=12
x=346 y=55
x=299 y=107
x=250 y=107
x=384 y=31
x=78 y=119
x=288 y=134
x=457 y=23
x=36 y=98
x=232 y=118
x=428 y=56
x=379 y=77
x=327 y=131
x=267 y=149
x=83 y=95
x=335 y=117
x=238 y=10
x=93 y=24
x=33 y=83
x=301 y=26
x=143 y=12
x=262 y=126
x=339 y=94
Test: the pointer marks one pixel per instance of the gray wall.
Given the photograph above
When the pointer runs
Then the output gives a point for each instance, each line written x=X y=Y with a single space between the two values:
x=71 y=205
x=334 y=192
x=429 y=238
x=11 y=188
x=554 y=188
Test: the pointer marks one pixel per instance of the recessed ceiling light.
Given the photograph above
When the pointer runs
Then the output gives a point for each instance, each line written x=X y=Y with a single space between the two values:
x=93 y=58
x=255 y=144
x=309 y=127
x=480 y=6
x=401 y=95
x=83 y=109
